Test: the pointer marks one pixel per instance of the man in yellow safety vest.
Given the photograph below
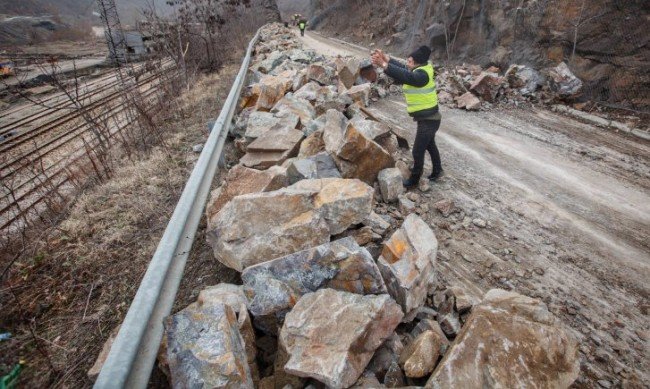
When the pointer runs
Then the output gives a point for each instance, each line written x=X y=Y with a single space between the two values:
x=419 y=87
x=301 y=25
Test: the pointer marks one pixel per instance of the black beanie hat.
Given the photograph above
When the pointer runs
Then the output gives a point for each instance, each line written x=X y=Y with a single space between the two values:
x=421 y=55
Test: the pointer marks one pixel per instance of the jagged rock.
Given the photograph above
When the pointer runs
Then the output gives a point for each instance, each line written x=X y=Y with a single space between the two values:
x=468 y=101
x=341 y=202
x=255 y=228
x=390 y=184
x=445 y=97
x=297 y=106
x=526 y=80
x=274 y=287
x=331 y=335
x=450 y=323
x=387 y=354
x=377 y=223
x=206 y=349
x=445 y=207
x=284 y=379
x=509 y=341
x=317 y=166
x=359 y=94
x=312 y=145
x=564 y=82
x=322 y=97
x=406 y=206
x=241 y=180
x=300 y=80
x=323 y=75
x=302 y=56
x=486 y=86
x=368 y=381
x=394 y=376
x=432 y=326
x=356 y=156
x=272 y=61
x=315 y=125
x=420 y=356
x=269 y=91
x=407 y=262
x=363 y=235
x=389 y=143
x=273 y=147
x=464 y=302
x=259 y=122
x=372 y=129
x=347 y=71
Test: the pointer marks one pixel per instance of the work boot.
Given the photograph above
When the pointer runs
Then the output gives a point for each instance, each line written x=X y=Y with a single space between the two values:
x=435 y=175
x=412 y=181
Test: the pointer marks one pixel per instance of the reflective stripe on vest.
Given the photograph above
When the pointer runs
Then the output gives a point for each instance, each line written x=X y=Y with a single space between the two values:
x=426 y=97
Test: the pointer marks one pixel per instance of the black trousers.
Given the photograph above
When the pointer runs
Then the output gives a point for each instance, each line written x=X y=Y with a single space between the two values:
x=302 y=32
x=425 y=140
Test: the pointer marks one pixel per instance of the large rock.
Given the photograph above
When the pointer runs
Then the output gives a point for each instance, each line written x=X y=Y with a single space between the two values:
x=323 y=75
x=331 y=335
x=486 y=86
x=312 y=145
x=259 y=122
x=273 y=147
x=390 y=184
x=313 y=167
x=274 y=287
x=407 y=262
x=509 y=341
x=468 y=101
x=241 y=180
x=322 y=97
x=259 y=227
x=270 y=90
x=526 y=80
x=372 y=129
x=272 y=61
x=359 y=94
x=206 y=349
x=347 y=71
x=356 y=156
x=296 y=106
x=564 y=82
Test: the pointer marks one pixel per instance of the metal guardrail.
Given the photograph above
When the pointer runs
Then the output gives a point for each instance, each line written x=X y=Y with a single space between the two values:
x=133 y=354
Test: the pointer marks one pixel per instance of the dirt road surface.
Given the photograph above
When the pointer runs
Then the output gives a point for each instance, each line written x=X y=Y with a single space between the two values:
x=567 y=207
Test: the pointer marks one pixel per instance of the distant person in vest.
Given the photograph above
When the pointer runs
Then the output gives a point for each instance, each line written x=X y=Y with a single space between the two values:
x=419 y=87
x=302 y=24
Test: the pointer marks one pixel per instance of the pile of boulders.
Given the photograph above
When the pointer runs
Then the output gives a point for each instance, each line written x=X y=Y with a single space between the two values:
x=336 y=292
x=472 y=88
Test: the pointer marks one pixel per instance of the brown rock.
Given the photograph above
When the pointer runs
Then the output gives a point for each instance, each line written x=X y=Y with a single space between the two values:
x=468 y=101
x=419 y=358
x=407 y=262
x=445 y=207
x=297 y=106
x=509 y=341
x=394 y=376
x=486 y=86
x=270 y=90
x=241 y=180
x=359 y=94
x=321 y=74
x=371 y=129
x=259 y=122
x=273 y=147
x=332 y=335
x=347 y=71
x=312 y=145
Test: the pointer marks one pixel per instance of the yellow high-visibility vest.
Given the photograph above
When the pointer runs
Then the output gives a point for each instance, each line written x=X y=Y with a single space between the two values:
x=302 y=25
x=426 y=97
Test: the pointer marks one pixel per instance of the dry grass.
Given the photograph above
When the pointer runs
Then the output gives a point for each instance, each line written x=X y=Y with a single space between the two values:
x=61 y=300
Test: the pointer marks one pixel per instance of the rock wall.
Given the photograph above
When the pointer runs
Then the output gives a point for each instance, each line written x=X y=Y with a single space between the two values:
x=603 y=41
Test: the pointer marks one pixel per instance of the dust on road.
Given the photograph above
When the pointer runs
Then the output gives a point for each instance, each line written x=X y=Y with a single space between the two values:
x=568 y=212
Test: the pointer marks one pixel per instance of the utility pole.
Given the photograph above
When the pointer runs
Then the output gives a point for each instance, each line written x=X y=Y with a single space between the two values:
x=113 y=31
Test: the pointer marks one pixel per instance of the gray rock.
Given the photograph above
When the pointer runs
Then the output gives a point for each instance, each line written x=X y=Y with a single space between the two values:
x=332 y=335
x=377 y=223
x=274 y=287
x=390 y=184
x=371 y=129
x=260 y=122
x=406 y=206
x=407 y=263
x=564 y=82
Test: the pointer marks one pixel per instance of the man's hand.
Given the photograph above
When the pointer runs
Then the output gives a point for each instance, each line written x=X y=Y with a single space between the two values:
x=379 y=58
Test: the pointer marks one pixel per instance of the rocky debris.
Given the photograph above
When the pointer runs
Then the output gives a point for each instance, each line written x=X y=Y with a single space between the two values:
x=273 y=147
x=419 y=358
x=486 y=86
x=526 y=80
x=509 y=340
x=479 y=223
x=390 y=184
x=371 y=129
x=406 y=206
x=205 y=348
x=274 y=287
x=312 y=145
x=347 y=71
x=302 y=56
x=331 y=335
x=394 y=376
x=463 y=301
x=468 y=101
x=450 y=323
x=315 y=125
x=269 y=91
x=313 y=167
x=258 y=122
x=323 y=75
x=271 y=61
x=300 y=107
x=303 y=216
x=377 y=223
x=446 y=207
x=407 y=262
x=359 y=94
x=563 y=81
x=356 y=156
x=241 y=180
x=322 y=97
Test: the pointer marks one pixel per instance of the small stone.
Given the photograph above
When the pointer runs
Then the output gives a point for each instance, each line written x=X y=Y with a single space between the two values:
x=450 y=324
x=420 y=356
x=377 y=223
x=604 y=383
x=406 y=206
x=394 y=376
x=197 y=148
x=390 y=184
x=479 y=223
x=468 y=101
x=445 y=207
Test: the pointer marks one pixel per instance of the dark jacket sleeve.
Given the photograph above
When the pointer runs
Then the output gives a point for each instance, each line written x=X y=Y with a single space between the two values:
x=402 y=75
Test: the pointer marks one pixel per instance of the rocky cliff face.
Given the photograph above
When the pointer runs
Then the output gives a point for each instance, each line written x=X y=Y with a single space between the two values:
x=603 y=41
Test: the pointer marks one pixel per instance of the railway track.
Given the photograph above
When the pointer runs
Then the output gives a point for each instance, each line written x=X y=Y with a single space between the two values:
x=43 y=157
